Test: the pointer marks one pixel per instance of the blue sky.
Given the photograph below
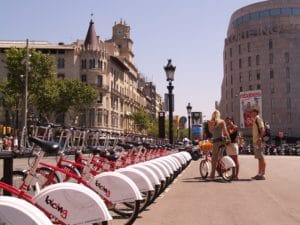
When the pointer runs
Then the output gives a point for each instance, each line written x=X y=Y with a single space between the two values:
x=190 y=32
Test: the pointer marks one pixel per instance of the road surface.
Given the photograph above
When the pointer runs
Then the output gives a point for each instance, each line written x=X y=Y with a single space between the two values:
x=191 y=200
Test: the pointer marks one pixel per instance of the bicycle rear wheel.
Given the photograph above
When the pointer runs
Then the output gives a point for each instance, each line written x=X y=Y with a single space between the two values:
x=129 y=213
x=101 y=223
x=204 y=169
x=144 y=203
x=70 y=169
x=154 y=194
x=46 y=176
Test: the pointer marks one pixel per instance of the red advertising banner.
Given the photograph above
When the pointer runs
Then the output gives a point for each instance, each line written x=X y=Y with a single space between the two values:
x=248 y=101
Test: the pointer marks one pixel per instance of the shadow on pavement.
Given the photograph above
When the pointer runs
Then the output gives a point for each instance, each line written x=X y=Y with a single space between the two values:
x=218 y=179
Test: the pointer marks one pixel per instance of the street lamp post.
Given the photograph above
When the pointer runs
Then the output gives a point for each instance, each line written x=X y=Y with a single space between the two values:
x=189 y=111
x=24 y=129
x=26 y=85
x=170 y=70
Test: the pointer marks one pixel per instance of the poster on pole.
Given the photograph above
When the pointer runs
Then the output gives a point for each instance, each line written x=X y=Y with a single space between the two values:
x=249 y=100
x=196 y=125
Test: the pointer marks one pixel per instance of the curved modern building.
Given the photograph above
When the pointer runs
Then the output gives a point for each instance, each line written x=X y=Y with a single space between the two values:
x=262 y=66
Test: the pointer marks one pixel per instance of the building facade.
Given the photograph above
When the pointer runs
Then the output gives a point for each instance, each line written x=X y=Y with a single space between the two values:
x=109 y=67
x=261 y=52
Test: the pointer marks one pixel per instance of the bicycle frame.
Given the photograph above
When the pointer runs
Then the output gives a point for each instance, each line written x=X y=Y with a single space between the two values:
x=108 y=193
x=53 y=210
x=224 y=164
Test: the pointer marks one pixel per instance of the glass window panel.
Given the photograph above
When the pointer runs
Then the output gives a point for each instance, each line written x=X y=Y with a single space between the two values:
x=257 y=60
x=272 y=88
x=275 y=12
x=258 y=75
x=271 y=74
x=246 y=18
x=239 y=20
x=296 y=11
x=288 y=87
x=264 y=13
x=83 y=78
x=271 y=58
x=254 y=15
x=289 y=103
x=270 y=44
x=287 y=71
x=286 y=57
x=286 y=11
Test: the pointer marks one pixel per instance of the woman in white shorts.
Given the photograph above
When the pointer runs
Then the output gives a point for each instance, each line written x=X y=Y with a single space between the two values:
x=233 y=149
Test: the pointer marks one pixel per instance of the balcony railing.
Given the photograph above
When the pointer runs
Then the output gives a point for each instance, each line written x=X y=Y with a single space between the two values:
x=103 y=87
x=116 y=92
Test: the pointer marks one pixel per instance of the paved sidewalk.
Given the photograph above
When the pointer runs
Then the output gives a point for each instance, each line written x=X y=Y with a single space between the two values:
x=189 y=200
x=193 y=201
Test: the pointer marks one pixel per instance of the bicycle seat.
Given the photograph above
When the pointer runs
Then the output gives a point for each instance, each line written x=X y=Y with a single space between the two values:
x=126 y=146
x=98 y=150
x=47 y=146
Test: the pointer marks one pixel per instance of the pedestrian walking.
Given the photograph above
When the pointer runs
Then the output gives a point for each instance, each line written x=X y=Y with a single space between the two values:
x=232 y=149
x=217 y=128
x=8 y=143
x=258 y=131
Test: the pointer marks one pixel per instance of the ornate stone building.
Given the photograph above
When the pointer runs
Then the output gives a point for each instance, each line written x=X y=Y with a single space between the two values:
x=106 y=65
x=261 y=52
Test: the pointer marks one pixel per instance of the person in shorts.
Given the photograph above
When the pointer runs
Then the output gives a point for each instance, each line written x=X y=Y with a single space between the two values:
x=232 y=149
x=217 y=127
x=258 y=130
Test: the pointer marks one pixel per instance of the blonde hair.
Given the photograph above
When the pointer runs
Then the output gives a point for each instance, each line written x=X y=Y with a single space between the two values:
x=216 y=115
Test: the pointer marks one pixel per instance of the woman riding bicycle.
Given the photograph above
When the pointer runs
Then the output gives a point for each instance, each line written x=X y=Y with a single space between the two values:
x=217 y=128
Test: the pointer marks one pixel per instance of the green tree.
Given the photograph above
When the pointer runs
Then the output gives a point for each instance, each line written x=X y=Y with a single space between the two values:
x=13 y=88
x=47 y=94
x=76 y=97
x=60 y=96
x=141 y=120
x=153 y=128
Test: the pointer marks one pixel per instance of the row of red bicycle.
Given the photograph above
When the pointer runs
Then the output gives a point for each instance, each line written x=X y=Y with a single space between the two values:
x=108 y=178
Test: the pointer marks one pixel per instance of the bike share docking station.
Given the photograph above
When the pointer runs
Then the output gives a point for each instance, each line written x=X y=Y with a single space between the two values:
x=7 y=157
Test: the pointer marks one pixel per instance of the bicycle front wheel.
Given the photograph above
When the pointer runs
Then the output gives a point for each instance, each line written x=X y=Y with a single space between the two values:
x=18 y=178
x=204 y=169
x=227 y=174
